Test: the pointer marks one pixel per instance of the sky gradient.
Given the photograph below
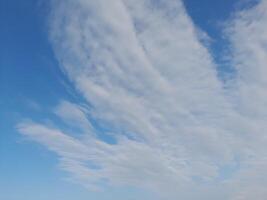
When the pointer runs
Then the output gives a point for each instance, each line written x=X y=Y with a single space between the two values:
x=133 y=100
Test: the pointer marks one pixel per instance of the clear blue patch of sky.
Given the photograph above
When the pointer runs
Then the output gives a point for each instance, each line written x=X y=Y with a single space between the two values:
x=30 y=83
x=211 y=16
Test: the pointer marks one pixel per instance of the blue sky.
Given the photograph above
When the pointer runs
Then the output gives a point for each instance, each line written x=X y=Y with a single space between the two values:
x=94 y=107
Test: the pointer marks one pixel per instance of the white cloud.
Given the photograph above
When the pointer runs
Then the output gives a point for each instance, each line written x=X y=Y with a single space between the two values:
x=144 y=72
x=74 y=115
x=248 y=37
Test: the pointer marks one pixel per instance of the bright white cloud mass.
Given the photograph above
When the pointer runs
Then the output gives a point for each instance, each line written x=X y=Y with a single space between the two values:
x=152 y=88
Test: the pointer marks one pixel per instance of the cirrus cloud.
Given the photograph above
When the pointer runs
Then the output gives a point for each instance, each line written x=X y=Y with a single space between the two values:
x=147 y=77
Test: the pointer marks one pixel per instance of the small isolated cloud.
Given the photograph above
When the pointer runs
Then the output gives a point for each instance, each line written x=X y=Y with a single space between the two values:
x=145 y=74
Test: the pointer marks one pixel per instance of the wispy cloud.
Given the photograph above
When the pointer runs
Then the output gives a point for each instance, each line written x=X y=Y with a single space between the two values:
x=146 y=75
